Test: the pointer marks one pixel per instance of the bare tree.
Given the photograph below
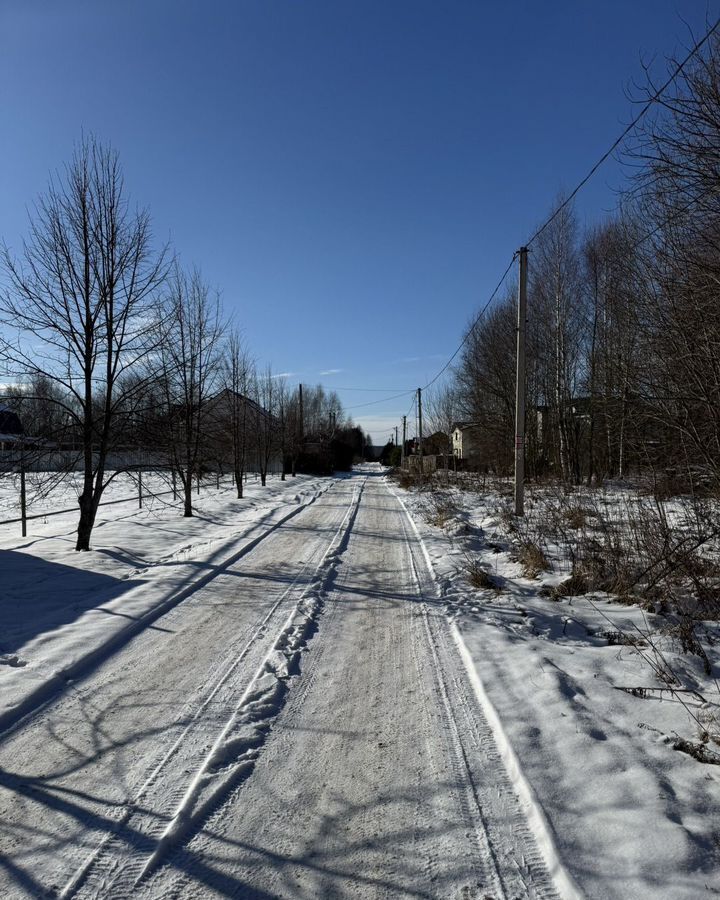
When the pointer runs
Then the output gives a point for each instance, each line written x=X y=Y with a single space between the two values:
x=485 y=382
x=284 y=419
x=442 y=412
x=554 y=299
x=237 y=406
x=266 y=423
x=80 y=300
x=678 y=182
x=191 y=329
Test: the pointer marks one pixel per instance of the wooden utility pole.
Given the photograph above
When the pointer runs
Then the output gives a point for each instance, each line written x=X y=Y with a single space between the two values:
x=420 y=446
x=520 y=389
x=402 y=449
x=396 y=435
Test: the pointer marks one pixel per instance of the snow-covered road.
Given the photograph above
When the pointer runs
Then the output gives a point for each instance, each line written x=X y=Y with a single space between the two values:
x=300 y=725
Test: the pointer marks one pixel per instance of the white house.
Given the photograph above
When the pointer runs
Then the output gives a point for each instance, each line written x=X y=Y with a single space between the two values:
x=465 y=440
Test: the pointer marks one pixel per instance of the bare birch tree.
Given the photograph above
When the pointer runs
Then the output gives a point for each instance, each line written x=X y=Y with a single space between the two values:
x=266 y=423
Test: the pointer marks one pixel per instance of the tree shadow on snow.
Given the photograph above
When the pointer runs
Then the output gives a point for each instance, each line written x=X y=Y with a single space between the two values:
x=38 y=596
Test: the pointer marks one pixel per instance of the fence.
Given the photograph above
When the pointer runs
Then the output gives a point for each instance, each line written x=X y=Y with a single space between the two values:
x=142 y=493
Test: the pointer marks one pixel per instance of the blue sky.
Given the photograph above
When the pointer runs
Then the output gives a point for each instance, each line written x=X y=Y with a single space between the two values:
x=353 y=176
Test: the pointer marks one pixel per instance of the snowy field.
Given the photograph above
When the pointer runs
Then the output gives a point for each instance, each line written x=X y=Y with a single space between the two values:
x=596 y=700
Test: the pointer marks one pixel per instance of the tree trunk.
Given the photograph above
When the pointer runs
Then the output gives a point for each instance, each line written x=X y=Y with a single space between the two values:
x=187 y=495
x=87 y=519
x=239 y=474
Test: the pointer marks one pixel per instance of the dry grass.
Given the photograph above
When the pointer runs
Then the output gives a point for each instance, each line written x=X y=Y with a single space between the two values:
x=532 y=559
x=439 y=508
x=575 y=516
x=477 y=576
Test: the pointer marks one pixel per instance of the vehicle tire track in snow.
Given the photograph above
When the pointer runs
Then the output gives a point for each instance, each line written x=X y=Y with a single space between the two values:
x=524 y=859
x=376 y=780
x=62 y=678
x=69 y=771
x=116 y=866
x=461 y=767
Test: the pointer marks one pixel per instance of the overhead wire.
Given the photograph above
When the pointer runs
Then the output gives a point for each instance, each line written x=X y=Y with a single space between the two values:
x=616 y=143
x=384 y=400
x=626 y=131
x=365 y=390
x=474 y=324
x=657 y=94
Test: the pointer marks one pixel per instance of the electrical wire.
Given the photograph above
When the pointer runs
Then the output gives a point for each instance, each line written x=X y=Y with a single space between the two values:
x=367 y=390
x=616 y=143
x=474 y=324
x=412 y=404
x=384 y=400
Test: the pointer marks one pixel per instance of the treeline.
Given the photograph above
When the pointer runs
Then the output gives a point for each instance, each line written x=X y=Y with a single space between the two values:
x=110 y=345
x=623 y=328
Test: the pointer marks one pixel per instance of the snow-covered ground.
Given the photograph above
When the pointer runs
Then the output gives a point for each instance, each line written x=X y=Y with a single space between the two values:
x=631 y=815
x=59 y=610
x=296 y=721
x=300 y=695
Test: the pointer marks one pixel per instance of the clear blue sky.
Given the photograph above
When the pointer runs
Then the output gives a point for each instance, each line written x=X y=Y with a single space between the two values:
x=353 y=176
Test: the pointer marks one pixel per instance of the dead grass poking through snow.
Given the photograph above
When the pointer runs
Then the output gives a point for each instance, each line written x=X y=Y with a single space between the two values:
x=477 y=575
x=532 y=559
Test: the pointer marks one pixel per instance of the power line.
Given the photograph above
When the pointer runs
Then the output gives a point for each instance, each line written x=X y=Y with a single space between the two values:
x=474 y=324
x=412 y=404
x=616 y=143
x=368 y=390
x=384 y=400
x=605 y=156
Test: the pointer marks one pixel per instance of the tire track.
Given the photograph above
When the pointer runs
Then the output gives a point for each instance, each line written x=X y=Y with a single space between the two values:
x=59 y=681
x=142 y=839
x=519 y=871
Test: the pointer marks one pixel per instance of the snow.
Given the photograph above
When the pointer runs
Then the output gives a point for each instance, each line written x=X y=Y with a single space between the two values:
x=237 y=745
x=142 y=564
x=300 y=694
x=378 y=778
x=626 y=814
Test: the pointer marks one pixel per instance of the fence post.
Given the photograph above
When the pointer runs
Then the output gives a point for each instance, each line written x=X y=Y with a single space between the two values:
x=140 y=496
x=23 y=499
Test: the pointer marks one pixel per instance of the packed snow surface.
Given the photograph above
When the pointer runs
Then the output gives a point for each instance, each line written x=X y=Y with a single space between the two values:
x=298 y=695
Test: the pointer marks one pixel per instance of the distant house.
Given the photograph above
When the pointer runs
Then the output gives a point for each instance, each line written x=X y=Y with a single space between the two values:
x=466 y=440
